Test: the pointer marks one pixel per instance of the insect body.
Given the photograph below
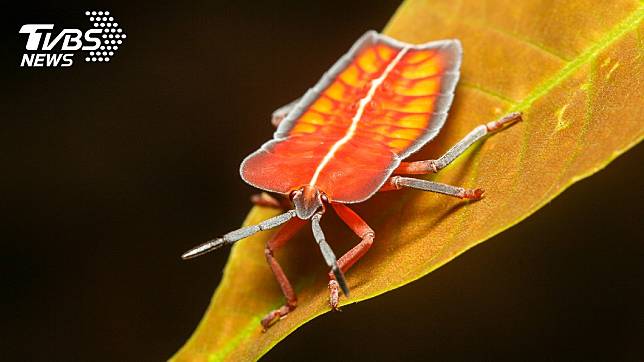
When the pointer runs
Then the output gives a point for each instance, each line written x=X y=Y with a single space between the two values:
x=345 y=138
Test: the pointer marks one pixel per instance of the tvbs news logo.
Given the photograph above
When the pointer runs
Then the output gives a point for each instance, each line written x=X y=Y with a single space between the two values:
x=49 y=48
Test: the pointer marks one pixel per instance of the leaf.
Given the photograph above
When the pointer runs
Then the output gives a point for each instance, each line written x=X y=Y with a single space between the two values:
x=574 y=68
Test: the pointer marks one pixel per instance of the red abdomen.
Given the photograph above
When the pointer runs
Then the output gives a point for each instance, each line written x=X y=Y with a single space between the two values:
x=379 y=103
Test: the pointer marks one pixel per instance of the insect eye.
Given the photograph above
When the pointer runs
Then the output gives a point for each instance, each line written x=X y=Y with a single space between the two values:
x=294 y=193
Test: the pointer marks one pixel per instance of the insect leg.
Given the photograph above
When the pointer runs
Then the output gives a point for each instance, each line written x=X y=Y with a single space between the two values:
x=278 y=240
x=327 y=253
x=267 y=200
x=432 y=166
x=398 y=182
x=281 y=113
x=238 y=234
x=360 y=228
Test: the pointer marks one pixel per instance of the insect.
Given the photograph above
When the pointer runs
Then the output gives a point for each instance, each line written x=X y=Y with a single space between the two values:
x=346 y=139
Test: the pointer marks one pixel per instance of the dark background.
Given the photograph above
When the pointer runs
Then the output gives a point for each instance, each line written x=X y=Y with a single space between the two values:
x=111 y=171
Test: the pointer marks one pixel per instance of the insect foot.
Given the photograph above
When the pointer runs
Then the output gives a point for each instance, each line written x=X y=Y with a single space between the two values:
x=334 y=294
x=475 y=194
x=275 y=315
x=504 y=121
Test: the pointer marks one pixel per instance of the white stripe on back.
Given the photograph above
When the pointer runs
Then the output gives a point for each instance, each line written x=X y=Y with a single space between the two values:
x=356 y=118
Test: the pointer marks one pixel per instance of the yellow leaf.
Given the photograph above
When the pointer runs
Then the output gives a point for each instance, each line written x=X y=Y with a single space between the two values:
x=573 y=67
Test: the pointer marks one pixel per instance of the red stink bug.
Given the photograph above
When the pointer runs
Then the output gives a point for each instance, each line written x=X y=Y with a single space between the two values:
x=344 y=139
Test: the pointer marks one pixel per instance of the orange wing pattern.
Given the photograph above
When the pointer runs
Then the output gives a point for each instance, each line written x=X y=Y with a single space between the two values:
x=379 y=103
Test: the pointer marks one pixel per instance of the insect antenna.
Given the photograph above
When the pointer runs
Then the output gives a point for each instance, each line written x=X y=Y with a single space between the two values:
x=238 y=234
x=327 y=253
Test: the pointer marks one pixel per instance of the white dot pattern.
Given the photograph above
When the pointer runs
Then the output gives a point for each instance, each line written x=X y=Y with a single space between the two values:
x=111 y=34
